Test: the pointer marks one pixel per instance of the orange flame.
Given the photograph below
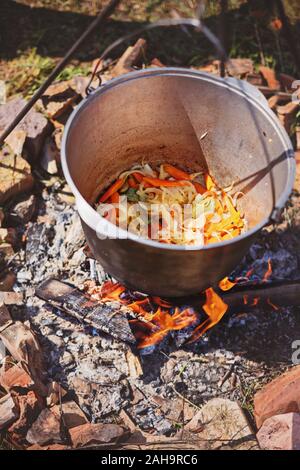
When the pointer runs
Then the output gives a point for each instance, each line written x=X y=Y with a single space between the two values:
x=268 y=272
x=275 y=307
x=215 y=309
x=226 y=284
x=154 y=324
x=163 y=322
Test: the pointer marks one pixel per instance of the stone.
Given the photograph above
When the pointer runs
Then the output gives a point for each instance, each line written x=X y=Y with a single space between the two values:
x=8 y=411
x=240 y=67
x=5 y=318
x=14 y=378
x=270 y=77
x=46 y=429
x=281 y=432
x=280 y=396
x=23 y=210
x=55 y=393
x=222 y=422
x=24 y=347
x=8 y=235
x=30 y=406
x=7 y=281
x=58 y=98
x=81 y=387
x=88 y=434
x=50 y=157
x=287 y=114
x=12 y=298
x=7 y=250
x=35 y=125
x=131 y=57
x=16 y=141
x=15 y=177
x=72 y=415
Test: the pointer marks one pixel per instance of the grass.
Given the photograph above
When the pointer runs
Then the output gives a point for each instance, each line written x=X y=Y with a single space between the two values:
x=27 y=72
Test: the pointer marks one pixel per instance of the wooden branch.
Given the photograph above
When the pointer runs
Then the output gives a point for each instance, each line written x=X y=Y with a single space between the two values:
x=269 y=294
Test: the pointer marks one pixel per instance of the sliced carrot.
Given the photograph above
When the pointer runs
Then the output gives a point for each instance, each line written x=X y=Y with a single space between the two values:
x=114 y=198
x=156 y=182
x=112 y=189
x=138 y=176
x=176 y=173
x=132 y=183
x=199 y=188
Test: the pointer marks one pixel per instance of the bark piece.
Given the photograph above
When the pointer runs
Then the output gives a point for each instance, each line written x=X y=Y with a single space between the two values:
x=15 y=377
x=131 y=57
x=280 y=396
x=8 y=411
x=46 y=429
x=109 y=318
x=5 y=318
x=15 y=177
x=24 y=347
x=281 y=432
x=96 y=434
x=29 y=407
x=72 y=415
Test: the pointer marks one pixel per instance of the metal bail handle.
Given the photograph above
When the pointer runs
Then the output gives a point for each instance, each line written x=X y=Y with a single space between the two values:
x=194 y=22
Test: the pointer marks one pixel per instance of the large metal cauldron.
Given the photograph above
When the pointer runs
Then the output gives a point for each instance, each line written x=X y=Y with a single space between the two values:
x=161 y=115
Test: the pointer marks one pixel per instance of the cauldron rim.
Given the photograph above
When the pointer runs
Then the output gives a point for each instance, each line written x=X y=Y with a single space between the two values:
x=92 y=218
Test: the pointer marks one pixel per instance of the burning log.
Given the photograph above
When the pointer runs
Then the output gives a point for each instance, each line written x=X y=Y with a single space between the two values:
x=107 y=307
x=110 y=319
x=273 y=294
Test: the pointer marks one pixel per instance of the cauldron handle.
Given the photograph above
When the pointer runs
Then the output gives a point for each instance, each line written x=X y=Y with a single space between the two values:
x=194 y=22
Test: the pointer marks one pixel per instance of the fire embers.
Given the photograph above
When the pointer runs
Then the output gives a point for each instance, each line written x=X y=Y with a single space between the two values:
x=156 y=320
